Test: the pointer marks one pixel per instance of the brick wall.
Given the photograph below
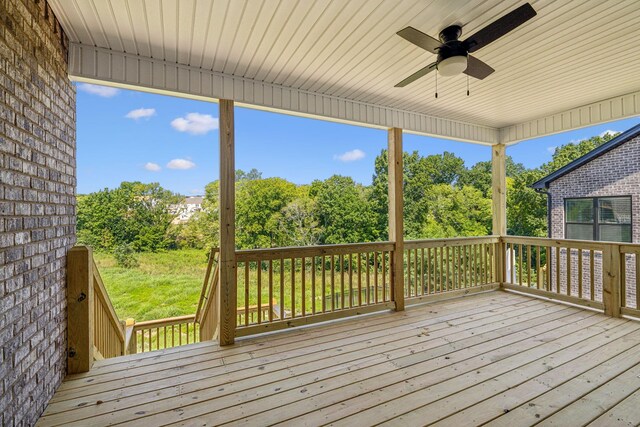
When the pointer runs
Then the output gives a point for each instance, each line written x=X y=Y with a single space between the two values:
x=37 y=206
x=615 y=173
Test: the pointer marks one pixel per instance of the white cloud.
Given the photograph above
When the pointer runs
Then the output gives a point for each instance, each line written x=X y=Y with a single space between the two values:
x=141 y=113
x=552 y=149
x=153 y=167
x=350 y=156
x=195 y=123
x=181 y=164
x=103 y=91
x=197 y=192
x=613 y=132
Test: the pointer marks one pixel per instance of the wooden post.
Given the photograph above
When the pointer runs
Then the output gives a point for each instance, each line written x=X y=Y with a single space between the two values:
x=611 y=283
x=130 y=337
x=499 y=205
x=396 y=223
x=228 y=291
x=499 y=186
x=79 y=309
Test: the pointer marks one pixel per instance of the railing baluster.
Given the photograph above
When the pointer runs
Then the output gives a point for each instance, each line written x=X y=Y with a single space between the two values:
x=359 y=279
x=375 y=277
x=324 y=284
x=303 y=269
x=313 y=285
x=579 y=273
x=408 y=275
x=270 y=290
x=259 y=285
x=623 y=279
x=538 y=256
x=592 y=267
x=281 y=296
x=422 y=271
x=384 y=276
x=293 y=287
x=448 y=277
x=368 y=280
x=350 y=280
x=568 y=260
x=557 y=270
x=246 y=293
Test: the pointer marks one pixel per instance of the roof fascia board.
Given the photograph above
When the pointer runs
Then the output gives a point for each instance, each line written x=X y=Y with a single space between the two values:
x=607 y=110
x=103 y=66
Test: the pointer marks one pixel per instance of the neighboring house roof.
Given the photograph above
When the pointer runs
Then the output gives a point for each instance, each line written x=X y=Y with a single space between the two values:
x=194 y=200
x=596 y=152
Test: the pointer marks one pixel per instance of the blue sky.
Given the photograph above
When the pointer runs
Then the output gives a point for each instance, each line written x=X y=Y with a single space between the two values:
x=134 y=136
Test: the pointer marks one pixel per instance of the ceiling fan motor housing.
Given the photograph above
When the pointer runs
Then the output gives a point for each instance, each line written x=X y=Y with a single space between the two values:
x=451 y=45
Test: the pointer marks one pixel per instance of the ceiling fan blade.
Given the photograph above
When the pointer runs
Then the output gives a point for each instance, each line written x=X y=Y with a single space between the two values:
x=415 y=76
x=500 y=27
x=477 y=68
x=420 y=39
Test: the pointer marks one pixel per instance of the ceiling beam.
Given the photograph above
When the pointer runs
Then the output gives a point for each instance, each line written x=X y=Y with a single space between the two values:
x=93 y=64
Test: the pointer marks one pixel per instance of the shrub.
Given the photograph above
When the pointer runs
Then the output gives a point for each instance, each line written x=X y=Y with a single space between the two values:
x=125 y=256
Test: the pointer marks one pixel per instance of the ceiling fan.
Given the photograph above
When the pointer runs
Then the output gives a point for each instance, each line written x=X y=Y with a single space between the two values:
x=453 y=54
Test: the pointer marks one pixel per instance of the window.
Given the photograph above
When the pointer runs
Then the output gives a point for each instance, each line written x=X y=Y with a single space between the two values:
x=599 y=218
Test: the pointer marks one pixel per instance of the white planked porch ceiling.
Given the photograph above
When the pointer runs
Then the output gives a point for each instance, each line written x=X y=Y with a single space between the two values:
x=575 y=64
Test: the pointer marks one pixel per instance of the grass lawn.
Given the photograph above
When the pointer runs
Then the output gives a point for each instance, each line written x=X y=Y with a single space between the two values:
x=166 y=284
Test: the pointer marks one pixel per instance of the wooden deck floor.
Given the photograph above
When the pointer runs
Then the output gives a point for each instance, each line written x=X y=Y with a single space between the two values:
x=497 y=358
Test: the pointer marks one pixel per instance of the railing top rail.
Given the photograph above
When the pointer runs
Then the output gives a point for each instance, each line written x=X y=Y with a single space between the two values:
x=106 y=301
x=454 y=241
x=558 y=243
x=630 y=248
x=164 y=322
x=207 y=285
x=309 y=251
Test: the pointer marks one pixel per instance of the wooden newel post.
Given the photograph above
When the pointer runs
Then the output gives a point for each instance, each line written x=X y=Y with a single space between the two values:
x=611 y=283
x=499 y=205
x=79 y=309
x=396 y=223
x=228 y=292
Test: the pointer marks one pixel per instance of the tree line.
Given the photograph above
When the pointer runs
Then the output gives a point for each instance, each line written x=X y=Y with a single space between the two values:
x=442 y=198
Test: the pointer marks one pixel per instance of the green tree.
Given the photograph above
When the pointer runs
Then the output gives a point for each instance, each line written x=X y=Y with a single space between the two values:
x=258 y=202
x=344 y=211
x=134 y=213
x=297 y=222
x=455 y=211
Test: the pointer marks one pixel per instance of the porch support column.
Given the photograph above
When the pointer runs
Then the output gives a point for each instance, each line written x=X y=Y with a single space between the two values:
x=228 y=291
x=396 y=220
x=499 y=206
x=499 y=186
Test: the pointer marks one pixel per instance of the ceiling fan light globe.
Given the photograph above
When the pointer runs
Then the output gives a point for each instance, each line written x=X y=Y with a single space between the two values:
x=452 y=66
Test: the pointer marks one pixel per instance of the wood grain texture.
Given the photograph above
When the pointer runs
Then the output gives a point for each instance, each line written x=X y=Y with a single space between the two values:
x=396 y=221
x=228 y=288
x=461 y=361
x=499 y=189
x=80 y=309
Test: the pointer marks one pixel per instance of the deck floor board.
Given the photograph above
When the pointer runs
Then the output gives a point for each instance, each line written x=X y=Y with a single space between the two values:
x=497 y=357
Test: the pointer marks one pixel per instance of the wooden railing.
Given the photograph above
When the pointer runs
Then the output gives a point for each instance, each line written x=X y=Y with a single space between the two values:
x=630 y=280
x=165 y=333
x=284 y=287
x=108 y=331
x=295 y=286
x=94 y=331
x=449 y=267
x=580 y=272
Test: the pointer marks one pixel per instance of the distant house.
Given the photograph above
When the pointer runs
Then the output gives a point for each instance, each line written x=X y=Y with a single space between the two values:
x=185 y=210
x=597 y=196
